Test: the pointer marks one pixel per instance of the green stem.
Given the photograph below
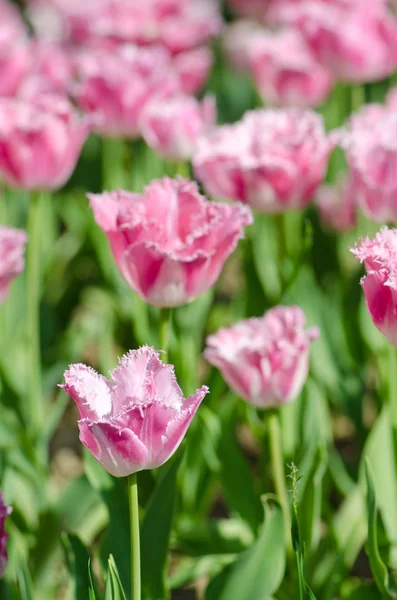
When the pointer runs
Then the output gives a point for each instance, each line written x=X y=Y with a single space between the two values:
x=113 y=163
x=276 y=455
x=35 y=400
x=134 y=538
x=299 y=568
x=164 y=330
x=281 y=247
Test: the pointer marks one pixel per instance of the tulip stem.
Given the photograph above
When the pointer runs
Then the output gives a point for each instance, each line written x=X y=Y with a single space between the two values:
x=134 y=538
x=35 y=403
x=276 y=455
x=164 y=330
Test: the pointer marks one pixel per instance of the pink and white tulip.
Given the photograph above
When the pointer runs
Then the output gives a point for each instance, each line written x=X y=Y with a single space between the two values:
x=379 y=256
x=337 y=205
x=177 y=25
x=12 y=249
x=116 y=86
x=264 y=360
x=169 y=243
x=14 y=67
x=136 y=420
x=51 y=71
x=285 y=72
x=173 y=128
x=4 y=512
x=40 y=142
x=357 y=41
x=273 y=160
x=370 y=143
x=193 y=68
x=237 y=40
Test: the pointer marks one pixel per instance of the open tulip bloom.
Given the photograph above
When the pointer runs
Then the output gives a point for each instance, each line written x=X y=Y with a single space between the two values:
x=138 y=419
x=169 y=243
x=264 y=360
x=379 y=256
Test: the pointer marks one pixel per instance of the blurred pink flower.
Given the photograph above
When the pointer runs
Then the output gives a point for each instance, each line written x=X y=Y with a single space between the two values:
x=169 y=243
x=285 y=72
x=370 y=142
x=138 y=419
x=116 y=86
x=379 y=256
x=337 y=205
x=14 y=66
x=4 y=512
x=40 y=142
x=193 y=68
x=172 y=128
x=51 y=70
x=177 y=25
x=264 y=360
x=357 y=41
x=12 y=249
x=273 y=160
x=12 y=29
x=237 y=40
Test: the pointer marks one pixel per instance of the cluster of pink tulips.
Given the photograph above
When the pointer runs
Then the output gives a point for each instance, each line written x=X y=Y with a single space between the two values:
x=125 y=71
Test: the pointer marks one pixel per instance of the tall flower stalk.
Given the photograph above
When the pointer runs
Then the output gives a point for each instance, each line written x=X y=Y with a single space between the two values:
x=35 y=404
x=134 y=537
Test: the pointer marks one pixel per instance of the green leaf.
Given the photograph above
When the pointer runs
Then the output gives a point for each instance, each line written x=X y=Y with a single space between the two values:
x=239 y=491
x=77 y=558
x=155 y=533
x=114 y=589
x=257 y=572
x=311 y=502
x=378 y=567
x=25 y=584
x=91 y=589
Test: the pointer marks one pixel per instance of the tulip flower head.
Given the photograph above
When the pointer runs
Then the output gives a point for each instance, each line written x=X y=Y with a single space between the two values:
x=170 y=243
x=4 y=512
x=40 y=142
x=136 y=420
x=379 y=256
x=173 y=128
x=285 y=72
x=12 y=248
x=273 y=159
x=369 y=140
x=264 y=360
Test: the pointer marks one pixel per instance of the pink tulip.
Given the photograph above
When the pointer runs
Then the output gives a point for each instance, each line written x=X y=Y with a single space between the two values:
x=237 y=40
x=379 y=256
x=192 y=68
x=337 y=205
x=369 y=140
x=264 y=360
x=12 y=248
x=172 y=128
x=273 y=160
x=357 y=41
x=14 y=66
x=51 y=71
x=40 y=142
x=169 y=243
x=138 y=419
x=12 y=29
x=116 y=86
x=285 y=72
x=177 y=25
x=4 y=512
